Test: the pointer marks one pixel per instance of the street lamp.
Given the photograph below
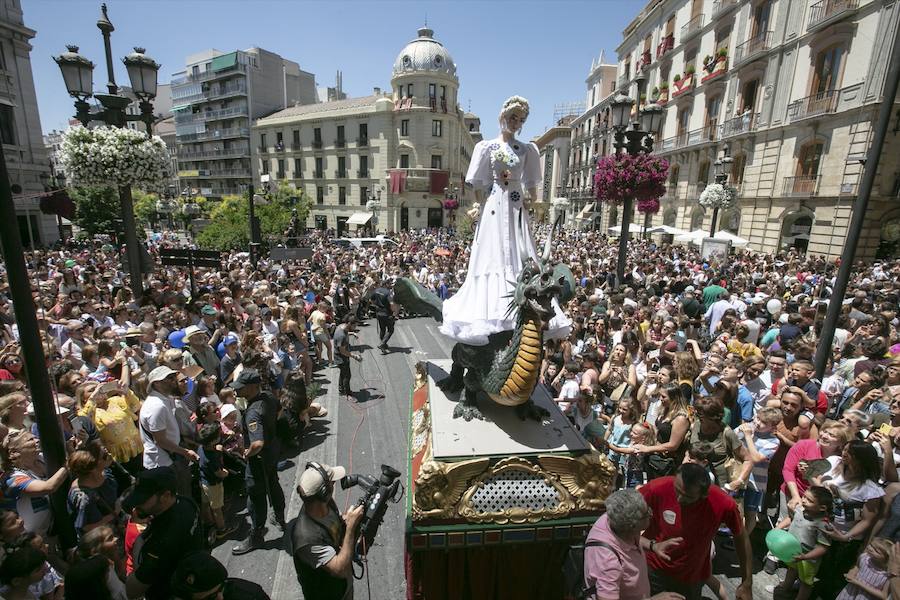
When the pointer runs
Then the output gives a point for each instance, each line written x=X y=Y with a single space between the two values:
x=77 y=74
x=373 y=204
x=636 y=140
x=722 y=166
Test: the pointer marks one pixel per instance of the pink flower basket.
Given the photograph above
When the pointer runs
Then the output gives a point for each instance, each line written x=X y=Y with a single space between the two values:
x=642 y=177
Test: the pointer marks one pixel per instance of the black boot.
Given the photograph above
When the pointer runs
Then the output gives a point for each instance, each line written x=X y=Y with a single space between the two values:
x=277 y=522
x=253 y=542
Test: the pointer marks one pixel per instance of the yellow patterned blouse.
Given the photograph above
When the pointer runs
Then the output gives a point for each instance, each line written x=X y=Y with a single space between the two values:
x=117 y=425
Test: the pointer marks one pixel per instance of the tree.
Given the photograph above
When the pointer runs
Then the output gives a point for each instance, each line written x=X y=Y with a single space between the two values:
x=144 y=208
x=230 y=226
x=97 y=210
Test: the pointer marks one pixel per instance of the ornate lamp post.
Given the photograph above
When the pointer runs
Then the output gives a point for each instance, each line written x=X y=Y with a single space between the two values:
x=722 y=165
x=77 y=73
x=373 y=204
x=636 y=140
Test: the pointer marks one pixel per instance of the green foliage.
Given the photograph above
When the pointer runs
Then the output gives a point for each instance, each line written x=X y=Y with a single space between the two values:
x=97 y=209
x=230 y=226
x=144 y=208
x=465 y=227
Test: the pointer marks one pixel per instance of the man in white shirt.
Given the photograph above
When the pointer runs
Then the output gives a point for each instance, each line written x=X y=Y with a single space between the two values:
x=716 y=310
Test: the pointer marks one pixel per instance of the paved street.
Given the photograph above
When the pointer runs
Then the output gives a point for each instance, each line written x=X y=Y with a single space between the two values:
x=361 y=437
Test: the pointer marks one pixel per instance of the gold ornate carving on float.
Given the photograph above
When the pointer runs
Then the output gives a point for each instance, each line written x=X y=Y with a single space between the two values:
x=589 y=478
x=439 y=486
x=515 y=491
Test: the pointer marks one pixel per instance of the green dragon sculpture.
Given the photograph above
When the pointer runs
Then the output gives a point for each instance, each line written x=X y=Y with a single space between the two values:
x=506 y=369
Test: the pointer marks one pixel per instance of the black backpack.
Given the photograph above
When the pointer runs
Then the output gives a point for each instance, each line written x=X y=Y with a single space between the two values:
x=573 y=570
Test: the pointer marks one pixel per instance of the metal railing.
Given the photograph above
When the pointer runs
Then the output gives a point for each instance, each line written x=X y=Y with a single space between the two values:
x=362 y=141
x=755 y=46
x=216 y=134
x=744 y=123
x=281 y=175
x=340 y=143
x=319 y=174
x=317 y=144
x=665 y=45
x=691 y=28
x=362 y=173
x=225 y=153
x=341 y=174
x=207 y=75
x=801 y=185
x=210 y=115
x=689 y=138
x=279 y=146
x=826 y=10
x=812 y=106
x=230 y=173
x=720 y=6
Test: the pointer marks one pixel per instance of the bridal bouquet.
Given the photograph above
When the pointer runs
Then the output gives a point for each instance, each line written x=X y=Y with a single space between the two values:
x=501 y=155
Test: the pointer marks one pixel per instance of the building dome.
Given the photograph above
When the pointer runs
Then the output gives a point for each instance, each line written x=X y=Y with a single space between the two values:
x=424 y=54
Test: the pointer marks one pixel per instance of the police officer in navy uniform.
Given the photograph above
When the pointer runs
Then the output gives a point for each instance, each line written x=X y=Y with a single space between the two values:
x=386 y=311
x=261 y=475
x=321 y=541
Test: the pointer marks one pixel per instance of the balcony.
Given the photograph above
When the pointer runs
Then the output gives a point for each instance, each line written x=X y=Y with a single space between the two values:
x=822 y=103
x=317 y=144
x=233 y=89
x=801 y=185
x=218 y=134
x=212 y=115
x=746 y=123
x=721 y=7
x=207 y=75
x=688 y=138
x=240 y=152
x=645 y=61
x=665 y=45
x=340 y=143
x=318 y=174
x=826 y=12
x=622 y=81
x=753 y=48
x=362 y=141
x=279 y=146
x=230 y=173
x=691 y=28
x=341 y=174
x=262 y=149
x=281 y=175
x=362 y=173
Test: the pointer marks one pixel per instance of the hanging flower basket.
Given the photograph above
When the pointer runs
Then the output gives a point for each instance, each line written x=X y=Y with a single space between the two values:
x=642 y=177
x=649 y=206
x=451 y=204
x=716 y=195
x=109 y=156
x=559 y=203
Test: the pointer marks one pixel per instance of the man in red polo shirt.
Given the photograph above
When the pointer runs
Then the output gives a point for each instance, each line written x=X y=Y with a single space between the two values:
x=686 y=506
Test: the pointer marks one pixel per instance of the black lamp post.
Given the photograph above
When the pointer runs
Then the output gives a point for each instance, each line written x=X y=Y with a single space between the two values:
x=636 y=140
x=721 y=172
x=77 y=73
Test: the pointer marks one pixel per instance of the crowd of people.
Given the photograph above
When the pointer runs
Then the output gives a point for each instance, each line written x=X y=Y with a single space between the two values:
x=695 y=380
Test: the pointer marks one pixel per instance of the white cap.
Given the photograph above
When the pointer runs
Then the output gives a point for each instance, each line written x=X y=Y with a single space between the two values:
x=158 y=374
x=311 y=480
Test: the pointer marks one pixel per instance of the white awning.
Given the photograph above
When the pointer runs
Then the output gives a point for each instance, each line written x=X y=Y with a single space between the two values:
x=586 y=212
x=359 y=218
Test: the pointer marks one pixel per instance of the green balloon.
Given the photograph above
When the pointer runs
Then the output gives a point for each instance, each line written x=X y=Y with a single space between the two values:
x=783 y=545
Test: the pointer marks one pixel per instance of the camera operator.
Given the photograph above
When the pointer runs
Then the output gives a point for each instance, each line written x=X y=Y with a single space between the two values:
x=322 y=541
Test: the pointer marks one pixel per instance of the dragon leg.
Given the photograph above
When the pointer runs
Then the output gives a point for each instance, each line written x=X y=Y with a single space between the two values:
x=454 y=382
x=468 y=404
x=530 y=410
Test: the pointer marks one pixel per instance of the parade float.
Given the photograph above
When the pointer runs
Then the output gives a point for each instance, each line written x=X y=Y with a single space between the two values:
x=500 y=482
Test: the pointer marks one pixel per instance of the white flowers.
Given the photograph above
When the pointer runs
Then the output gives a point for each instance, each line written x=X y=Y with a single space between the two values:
x=501 y=156
x=560 y=203
x=115 y=157
x=715 y=195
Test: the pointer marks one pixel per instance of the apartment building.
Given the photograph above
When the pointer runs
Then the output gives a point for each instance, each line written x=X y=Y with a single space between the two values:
x=402 y=147
x=215 y=99
x=554 y=146
x=789 y=90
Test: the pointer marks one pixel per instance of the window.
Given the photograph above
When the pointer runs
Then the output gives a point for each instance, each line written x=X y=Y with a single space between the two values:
x=443 y=92
x=7 y=124
x=436 y=161
x=320 y=195
x=713 y=106
x=363 y=131
x=317 y=135
x=436 y=128
x=342 y=195
x=684 y=122
x=320 y=166
x=404 y=161
x=432 y=90
x=761 y=18
x=296 y=138
x=723 y=39
x=342 y=166
x=363 y=195
x=748 y=96
x=809 y=158
x=738 y=164
x=262 y=142
x=363 y=166
x=703 y=175
x=409 y=90
x=340 y=133
x=828 y=70
x=279 y=138
x=265 y=167
x=404 y=127
x=298 y=168
x=280 y=168
x=670 y=25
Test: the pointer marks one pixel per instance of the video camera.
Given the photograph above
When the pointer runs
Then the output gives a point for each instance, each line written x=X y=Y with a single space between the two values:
x=374 y=501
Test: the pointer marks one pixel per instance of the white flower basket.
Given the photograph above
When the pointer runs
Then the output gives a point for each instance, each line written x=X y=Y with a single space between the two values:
x=114 y=157
x=716 y=195
x=560 y=204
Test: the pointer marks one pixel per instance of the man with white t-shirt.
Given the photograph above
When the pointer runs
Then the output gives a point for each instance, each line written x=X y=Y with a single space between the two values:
x=159 y=428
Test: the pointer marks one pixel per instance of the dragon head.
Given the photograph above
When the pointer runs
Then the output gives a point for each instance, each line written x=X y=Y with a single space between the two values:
x=538 y=285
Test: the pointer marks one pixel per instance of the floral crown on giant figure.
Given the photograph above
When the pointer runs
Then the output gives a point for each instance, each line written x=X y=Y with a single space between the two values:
x=515 y=103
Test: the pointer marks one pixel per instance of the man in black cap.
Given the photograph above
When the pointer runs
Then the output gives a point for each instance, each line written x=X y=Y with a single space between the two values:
x=322 y=541
x=261 y=474
x=342 y=354
x=386 y=311
x=200 y=576
x=174 y=531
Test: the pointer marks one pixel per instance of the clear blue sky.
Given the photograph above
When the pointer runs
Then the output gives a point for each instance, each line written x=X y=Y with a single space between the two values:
x=540 y=49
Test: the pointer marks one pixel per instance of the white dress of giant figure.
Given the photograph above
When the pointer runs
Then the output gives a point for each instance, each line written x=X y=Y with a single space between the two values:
x=507 y=168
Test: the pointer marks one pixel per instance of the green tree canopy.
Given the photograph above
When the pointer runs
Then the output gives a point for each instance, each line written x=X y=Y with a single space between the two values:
x=230 y=226
x=97 y=210
x=144 y=207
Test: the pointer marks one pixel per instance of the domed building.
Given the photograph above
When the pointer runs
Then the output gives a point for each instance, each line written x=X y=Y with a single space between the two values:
x=405 y=149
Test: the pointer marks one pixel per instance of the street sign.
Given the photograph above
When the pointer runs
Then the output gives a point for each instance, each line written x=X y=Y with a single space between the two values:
x=290 y=253
x=187 y=257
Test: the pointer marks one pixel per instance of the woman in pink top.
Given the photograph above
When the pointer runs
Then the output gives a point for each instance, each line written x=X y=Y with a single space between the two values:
x=832 y=439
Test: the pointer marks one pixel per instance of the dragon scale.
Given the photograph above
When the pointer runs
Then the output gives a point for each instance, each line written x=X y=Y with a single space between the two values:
x=522 y=363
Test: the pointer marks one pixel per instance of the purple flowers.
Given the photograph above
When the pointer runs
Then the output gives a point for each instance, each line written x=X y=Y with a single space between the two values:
x=451 y=204
x=642 y=177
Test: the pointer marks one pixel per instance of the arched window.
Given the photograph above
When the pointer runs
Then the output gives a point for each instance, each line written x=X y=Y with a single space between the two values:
x=731 y=220
x=670 y=217
x=697 y=217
